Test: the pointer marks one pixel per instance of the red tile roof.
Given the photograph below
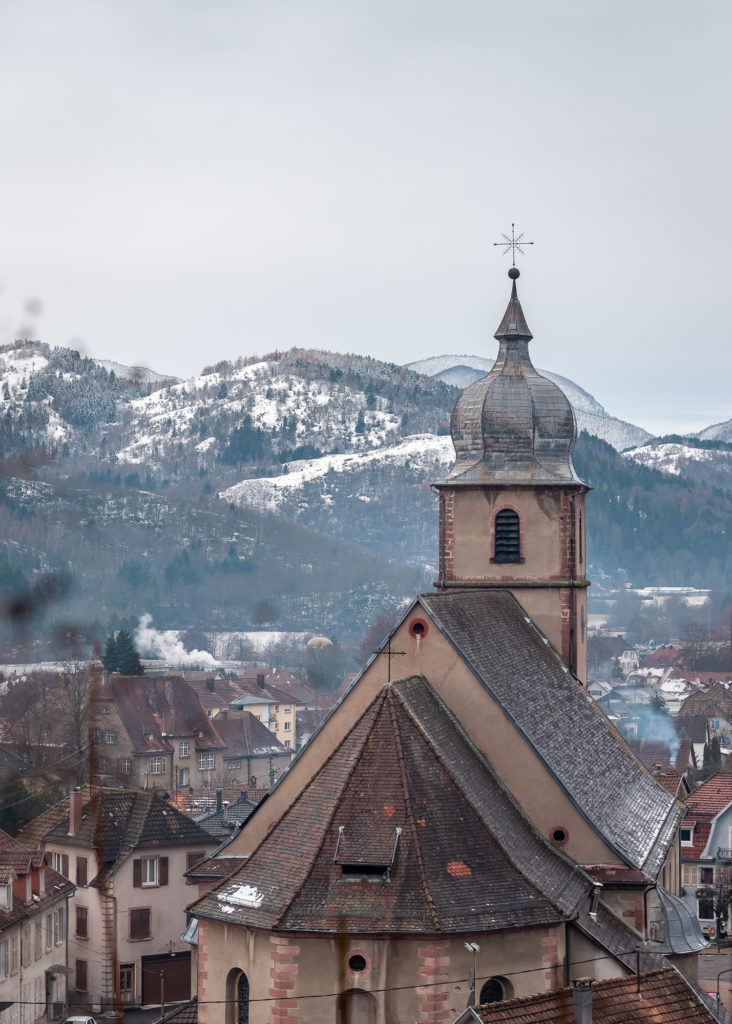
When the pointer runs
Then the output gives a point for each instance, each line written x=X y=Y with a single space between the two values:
x=712 y=796
x=665 y=998
x=151 y=709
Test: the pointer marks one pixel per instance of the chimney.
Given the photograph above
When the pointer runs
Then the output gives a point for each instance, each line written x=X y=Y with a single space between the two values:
x=75 y=804
x=219 y=795
x=226 y=812
x=657 y=767
x=169 y=693
x=210 y=685
x=260 y=679
x=582 y=1000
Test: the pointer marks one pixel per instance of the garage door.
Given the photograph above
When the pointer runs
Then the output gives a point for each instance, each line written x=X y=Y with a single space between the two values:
x=176 y=971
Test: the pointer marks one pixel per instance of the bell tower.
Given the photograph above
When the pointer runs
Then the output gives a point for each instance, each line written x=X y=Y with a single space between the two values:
x=512 y=508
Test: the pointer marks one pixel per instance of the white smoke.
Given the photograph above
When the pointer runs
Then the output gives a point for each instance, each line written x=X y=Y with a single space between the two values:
x=153 y=644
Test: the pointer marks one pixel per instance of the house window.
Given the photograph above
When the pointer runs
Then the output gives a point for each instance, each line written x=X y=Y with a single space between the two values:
x=288 y=743
x=82 y=922
x=242 y=1000
x=705 y=908
x=149 y=871
x=110 y=736
x=156 y=766
x=234 y=766
x=37 y=939
x=275 y=707
x=706 y=876
x=127 y=765
x=59 y=925
x=183 y=751
x=495 y=990
x=140 y=923
x=507 y=537
x=689 y=875
x=49 y=932
x=288 y=726
x=81 y=976
x=206 y=762
x=61 y=864
x=687 y=836
x=3 y=961
x=185 y=776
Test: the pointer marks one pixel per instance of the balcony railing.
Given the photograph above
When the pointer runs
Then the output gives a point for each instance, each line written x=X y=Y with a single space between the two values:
x=724 y=853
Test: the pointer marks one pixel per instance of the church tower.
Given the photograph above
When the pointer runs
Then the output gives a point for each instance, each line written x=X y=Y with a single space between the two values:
x=512 y=508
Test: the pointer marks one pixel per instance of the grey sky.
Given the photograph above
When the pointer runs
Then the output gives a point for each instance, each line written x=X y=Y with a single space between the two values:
x=185 y=182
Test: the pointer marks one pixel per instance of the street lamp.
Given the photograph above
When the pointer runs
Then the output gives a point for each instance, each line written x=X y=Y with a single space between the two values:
x=474 y=948
x=718 y=977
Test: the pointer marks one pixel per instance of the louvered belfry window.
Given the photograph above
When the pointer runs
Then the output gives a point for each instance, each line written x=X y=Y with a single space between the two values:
x=507 y=543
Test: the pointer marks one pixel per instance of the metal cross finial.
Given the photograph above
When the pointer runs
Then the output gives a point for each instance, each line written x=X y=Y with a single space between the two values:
x=513 y=244
x=389 y=655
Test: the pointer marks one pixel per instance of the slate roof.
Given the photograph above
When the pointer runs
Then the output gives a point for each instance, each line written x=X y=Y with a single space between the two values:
x=245 y=736
x=665 y=998
x=407 y=791
x=513 y=426
x=32 y=833
x=221 y=824
x=553 y=711
x=115 y=822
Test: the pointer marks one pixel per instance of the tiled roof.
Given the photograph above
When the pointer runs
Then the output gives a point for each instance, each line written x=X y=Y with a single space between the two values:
x=215 y=867
x=221 y=824
x=665 y=998
x=184 y=1013
x=245 y=736
x=553 y=711
x=16 y=861
x=712 y=796
x=32 y=832
x=118 y=821
x=717 y=700
x=407 y=790
x=152 y=709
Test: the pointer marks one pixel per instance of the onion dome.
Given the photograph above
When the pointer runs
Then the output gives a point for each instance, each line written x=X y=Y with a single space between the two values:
x=513 y=426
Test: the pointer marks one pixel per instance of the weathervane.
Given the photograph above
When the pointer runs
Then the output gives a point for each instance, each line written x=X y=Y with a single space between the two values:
x=513 y=244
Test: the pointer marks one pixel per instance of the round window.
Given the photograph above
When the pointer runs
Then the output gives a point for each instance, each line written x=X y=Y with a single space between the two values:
x=560 y=835
x=357 y=963
x=418 y=628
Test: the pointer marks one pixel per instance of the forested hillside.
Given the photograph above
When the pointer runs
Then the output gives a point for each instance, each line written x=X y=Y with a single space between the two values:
x=292 y=491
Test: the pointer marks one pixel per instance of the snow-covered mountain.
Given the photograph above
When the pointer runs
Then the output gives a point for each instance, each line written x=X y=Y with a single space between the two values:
x=137 y=374
x=460 y=371
x=717 y=432
x=710 y=466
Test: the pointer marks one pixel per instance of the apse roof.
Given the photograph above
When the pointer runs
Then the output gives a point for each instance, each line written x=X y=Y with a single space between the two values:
x=553 y=711
x=405 y=828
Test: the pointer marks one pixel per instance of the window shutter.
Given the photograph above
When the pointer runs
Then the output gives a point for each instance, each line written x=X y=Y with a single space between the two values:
x=65 y=865
x=162 y=870
x=81 y=975
x=81 y=871
x=137 y=873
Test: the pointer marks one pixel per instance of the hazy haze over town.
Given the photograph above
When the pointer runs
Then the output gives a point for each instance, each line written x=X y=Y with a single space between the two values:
x=187 y=182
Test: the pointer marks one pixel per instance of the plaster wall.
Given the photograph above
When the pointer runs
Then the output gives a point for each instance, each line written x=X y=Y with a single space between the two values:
x=419 y=978
x=517 y=765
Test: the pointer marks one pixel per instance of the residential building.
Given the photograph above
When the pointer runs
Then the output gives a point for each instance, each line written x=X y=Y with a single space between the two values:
x=34 y=900
x=706 y=846
x=127 y=853
x=252 y=753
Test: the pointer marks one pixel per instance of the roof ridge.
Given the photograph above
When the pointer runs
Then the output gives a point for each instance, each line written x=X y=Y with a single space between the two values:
x=410 y=815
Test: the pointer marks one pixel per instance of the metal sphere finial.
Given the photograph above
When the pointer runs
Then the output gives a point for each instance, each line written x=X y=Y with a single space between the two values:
x=513 y=273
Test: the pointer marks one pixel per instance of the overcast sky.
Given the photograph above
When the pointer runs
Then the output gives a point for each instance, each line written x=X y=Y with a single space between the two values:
x=190 y=181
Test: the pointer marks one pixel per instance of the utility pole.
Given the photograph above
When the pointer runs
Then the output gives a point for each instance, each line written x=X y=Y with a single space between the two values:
x=162 y=994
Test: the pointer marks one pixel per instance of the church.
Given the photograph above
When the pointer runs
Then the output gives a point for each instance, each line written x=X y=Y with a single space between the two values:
x=466 y=825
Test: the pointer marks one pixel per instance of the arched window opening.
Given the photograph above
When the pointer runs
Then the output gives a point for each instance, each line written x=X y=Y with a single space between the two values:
x=495 y=990
x=507 y=537
x=237 y=997
x=355 y=1006
x=242 y=1000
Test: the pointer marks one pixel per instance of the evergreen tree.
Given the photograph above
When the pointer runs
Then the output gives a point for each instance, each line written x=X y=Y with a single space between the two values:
x=121 y=655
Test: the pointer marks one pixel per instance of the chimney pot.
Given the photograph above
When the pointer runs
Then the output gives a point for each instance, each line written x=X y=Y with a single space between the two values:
x=75 y=804
x=582 y=1000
